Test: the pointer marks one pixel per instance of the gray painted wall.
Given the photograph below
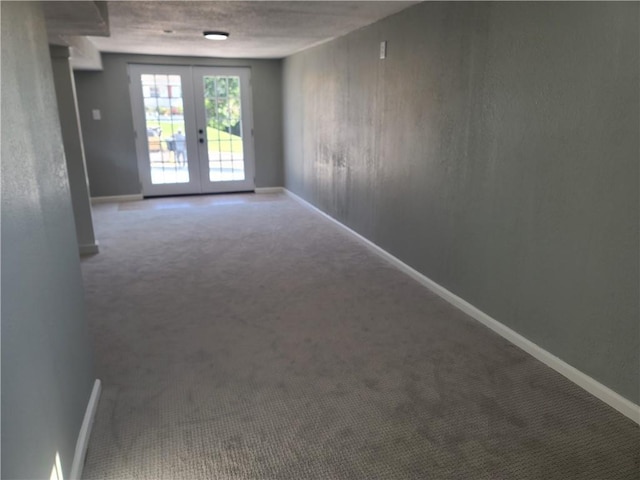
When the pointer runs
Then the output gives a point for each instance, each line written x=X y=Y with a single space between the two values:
x=73 y=148
x=47 y=365
x=496 y=151
x=110 y=144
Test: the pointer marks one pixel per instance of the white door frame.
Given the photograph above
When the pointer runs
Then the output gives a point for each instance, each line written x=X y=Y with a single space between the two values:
x=194 y=119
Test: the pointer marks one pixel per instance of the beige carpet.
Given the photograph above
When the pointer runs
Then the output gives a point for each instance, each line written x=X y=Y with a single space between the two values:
x=246 y=337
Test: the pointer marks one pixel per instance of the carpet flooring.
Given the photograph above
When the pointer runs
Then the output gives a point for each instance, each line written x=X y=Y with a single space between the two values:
x=247 y=337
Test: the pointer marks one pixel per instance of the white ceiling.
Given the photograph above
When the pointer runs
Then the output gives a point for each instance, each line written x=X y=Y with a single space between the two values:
x=76 y=18
x=258 y=29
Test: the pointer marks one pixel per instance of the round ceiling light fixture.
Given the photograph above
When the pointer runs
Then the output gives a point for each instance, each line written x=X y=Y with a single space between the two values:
x=215 y=35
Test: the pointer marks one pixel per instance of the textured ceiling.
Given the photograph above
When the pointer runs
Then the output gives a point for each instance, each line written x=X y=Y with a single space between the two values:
x=259 y=29
x=76 y=18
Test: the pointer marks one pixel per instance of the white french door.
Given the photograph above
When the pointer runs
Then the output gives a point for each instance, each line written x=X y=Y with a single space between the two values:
x=193 y=129
x=224 y=118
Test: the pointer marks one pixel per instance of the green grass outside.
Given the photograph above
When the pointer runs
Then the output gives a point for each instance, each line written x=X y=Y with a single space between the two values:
x=228 y=142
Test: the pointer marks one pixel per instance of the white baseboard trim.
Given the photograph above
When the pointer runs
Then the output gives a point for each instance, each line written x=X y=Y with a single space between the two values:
x=89 y=248
x=595 y=388
x=117 y=198
x=85 y=432
x=269 y=189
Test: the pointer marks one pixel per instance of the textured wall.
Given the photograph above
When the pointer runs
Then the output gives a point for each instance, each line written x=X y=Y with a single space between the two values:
x=73 y=148
x=496 y=151
x=47 y=365
x=110 y=142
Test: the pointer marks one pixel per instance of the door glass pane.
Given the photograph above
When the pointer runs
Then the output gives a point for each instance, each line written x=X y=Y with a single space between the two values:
x=224 y=128
x=164 y=116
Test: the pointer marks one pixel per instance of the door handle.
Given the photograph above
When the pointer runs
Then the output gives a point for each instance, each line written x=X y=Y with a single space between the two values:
x=201 y=131
x=201 y=140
